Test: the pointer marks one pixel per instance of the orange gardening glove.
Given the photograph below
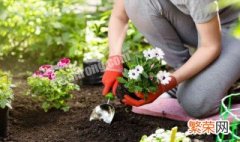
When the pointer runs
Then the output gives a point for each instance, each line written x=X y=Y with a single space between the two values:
x=151 y=96
x=114 y=69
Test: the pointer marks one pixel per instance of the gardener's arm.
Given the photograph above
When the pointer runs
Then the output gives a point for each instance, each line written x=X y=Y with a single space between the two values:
x=118 y=26
x=116 y=34
x=209 y=49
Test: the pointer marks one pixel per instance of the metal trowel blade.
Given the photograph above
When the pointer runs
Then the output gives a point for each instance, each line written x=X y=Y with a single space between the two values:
x=104 y=112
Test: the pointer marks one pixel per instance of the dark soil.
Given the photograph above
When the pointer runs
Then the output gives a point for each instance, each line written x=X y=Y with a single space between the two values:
x=29 y=123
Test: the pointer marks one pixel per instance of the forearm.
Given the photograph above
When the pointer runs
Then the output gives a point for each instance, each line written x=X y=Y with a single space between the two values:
x=203 y=57
x=208 y=50
x=117 y=33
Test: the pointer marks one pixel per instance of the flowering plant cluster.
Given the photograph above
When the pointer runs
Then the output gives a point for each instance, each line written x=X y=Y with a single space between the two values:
x=162 y=135
x=145 y=71
x=52 y=85
x=6 y=93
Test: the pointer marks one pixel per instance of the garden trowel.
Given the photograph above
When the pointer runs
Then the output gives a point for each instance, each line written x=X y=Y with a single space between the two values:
x=105 y=111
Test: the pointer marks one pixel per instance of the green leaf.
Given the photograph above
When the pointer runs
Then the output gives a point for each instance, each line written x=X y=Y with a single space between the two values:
x=138 y=89
x=152 y=89
x=122 y=80
x=144 y=138
x=66 y=108
x=125 y=73
x=45 y=106
x=145 y=75
x=126 y=85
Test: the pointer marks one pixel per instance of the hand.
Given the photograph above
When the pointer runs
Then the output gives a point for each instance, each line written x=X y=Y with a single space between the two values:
x=113 y=70
x=151 y=96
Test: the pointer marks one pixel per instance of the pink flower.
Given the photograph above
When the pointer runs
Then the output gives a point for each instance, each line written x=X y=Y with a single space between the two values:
x=63 y=62
x=49 y=74
x=52 y=76
x=45 y=71
x=38 y=74
x=46 y=68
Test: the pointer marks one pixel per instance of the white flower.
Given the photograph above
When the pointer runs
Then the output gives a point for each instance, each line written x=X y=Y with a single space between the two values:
x=164 y=77
x=159 y=131
x=164 y=62
x=154 y=53
x=158 y=53
x=148 y=54
x=139 y=69
x=133 y=74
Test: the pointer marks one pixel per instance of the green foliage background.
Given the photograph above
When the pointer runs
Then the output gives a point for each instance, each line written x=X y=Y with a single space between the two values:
x=6 y=92
x=46 y=30
x=39 y=28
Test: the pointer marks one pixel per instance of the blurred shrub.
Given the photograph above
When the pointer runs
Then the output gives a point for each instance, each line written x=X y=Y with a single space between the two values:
x=236 y=4
x=52 y=85
x=46 y=30
x=97 y=41
x=236 y=31
x=42 y=29
x=6 y=92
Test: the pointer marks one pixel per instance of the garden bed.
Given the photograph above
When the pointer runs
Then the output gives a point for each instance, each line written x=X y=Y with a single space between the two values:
x=28 y=122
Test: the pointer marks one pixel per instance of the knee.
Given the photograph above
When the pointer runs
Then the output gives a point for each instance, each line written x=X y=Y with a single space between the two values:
x=198 y=110
x=196 y=103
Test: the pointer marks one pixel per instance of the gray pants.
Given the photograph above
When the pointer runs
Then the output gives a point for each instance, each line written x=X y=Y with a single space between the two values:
x=166 y=27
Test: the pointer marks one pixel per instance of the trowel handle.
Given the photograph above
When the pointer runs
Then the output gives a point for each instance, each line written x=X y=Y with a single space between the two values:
x=110 y=96
x=108 y=101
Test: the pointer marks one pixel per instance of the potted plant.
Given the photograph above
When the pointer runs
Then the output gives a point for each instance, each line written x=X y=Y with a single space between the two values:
x=6 y=97
x=142 y=73
x=93 y=72
x=52 y=85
